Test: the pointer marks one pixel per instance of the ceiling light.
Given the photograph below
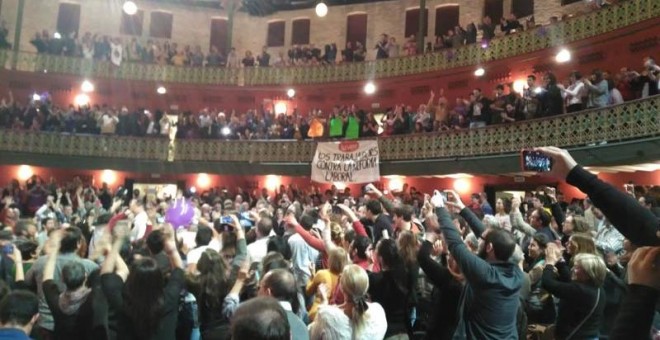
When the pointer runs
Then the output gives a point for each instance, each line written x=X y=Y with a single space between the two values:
x=563 y=56
x=321 y=9
x=519 y=85
x=161 y=90
x=291 y=93
x=479 y=72
x=130 y=7
x=81 y=100
x=369 y=88
x=57 y=35
x=87 y=86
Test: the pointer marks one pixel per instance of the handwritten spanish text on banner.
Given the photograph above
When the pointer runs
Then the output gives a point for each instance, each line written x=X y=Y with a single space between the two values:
x=347 y=162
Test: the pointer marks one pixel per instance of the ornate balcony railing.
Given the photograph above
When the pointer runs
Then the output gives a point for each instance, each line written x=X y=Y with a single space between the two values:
x=153 y=149
x=637 y=119
x=585 y=26
x=633 y=120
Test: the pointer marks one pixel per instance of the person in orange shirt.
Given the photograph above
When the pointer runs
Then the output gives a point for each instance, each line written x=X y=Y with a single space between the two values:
x=316 y=128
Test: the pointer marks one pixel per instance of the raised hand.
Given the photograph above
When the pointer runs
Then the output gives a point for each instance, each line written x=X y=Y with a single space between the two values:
x=562 y=162
x=643 y=267
x=454 y=200
x=437 y=200
x=54 y=241
x=290 y=219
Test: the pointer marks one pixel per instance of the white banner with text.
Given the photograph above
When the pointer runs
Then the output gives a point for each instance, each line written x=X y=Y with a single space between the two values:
x=347 y=162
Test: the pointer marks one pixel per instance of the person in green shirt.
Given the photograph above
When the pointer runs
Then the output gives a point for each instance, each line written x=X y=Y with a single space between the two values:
x=336 y=126
x=352 y=126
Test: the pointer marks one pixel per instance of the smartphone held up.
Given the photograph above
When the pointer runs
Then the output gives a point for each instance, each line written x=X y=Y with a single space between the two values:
x=535 y=161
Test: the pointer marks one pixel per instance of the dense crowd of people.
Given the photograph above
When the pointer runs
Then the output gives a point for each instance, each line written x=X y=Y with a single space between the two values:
x=539 y=98
x=80 y=262
x=165 y=52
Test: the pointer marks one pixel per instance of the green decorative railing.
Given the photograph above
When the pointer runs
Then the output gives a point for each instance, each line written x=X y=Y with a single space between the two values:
x=585 y=26
x=153 y=149
x=633 y=120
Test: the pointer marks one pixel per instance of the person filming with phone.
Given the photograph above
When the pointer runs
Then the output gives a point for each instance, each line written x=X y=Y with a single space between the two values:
x=490 y=299
x=635 y=223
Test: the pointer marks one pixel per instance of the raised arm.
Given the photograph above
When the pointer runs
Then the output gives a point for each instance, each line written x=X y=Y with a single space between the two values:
x=637 y=309
x=355 y=221
x=517 y=220
x=474 y=268
x=635 y=222
x=435 y=272
x=454 y=200
x=52 y=249
x=310 y=239
x=387 y=204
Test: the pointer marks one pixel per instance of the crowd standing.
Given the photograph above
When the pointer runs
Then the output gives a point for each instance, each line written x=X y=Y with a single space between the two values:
x=539 y=98
x=300 y=263
x=165 y=52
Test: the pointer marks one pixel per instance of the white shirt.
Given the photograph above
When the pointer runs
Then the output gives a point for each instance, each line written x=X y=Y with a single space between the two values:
x=139 y=226
x=332 y=323
x=109 y=119
x=616 y=97
x=193 y=256
x=258 y=249
x=575 y=92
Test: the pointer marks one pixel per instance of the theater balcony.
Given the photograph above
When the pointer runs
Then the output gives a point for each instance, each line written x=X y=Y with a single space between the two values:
x=594 y=24
x=624 y=134
x=611 y=38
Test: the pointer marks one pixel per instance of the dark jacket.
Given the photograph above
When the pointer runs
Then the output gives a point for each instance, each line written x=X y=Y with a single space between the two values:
x=491 y=297
x=631 y=219
x=383 y=222
x=635 y=313
x=444 y=298
x=576 y=301
x=383 y=288
x=113 y=288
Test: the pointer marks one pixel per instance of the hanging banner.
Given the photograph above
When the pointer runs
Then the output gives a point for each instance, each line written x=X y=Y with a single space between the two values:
x=346 y=162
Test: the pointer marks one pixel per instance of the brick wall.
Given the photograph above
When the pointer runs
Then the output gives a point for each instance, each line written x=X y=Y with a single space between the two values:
x=191 y=25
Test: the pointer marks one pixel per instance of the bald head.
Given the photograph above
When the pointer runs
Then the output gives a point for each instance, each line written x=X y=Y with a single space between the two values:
x=280 y=284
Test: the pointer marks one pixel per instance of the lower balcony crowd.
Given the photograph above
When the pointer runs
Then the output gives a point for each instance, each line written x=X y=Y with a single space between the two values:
x=87 y=262
x=539 y=98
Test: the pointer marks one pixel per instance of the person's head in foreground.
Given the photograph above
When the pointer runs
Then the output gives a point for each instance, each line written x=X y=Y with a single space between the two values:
x=260 y=318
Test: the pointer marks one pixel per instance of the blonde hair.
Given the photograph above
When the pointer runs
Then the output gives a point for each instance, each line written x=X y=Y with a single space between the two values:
x=585 y=243
x=354 y=284
x=593 y=266
x=337 y=260
x=336 y=233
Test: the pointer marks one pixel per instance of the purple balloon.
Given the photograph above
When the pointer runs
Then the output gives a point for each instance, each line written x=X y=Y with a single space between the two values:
x=180 y=213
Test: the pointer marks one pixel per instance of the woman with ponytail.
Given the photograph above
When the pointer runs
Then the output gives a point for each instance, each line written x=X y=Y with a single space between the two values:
x=392 y=288
x=356 y=318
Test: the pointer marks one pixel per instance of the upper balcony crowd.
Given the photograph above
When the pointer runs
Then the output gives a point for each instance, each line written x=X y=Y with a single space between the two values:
x=539 y=98
x=101 y=47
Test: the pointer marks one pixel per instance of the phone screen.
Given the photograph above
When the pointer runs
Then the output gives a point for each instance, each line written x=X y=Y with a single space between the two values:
x=226 y=220
x=535 y=161
x=8 y=248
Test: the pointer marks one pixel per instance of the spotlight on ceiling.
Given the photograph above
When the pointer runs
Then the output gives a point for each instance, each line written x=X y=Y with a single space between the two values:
x=161 y=90
x=291 y=93
x=130 y=7
x=321 y=9
x=87 y=86
x=370 y=88
x=479 y=72
x=563 y=56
